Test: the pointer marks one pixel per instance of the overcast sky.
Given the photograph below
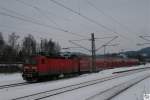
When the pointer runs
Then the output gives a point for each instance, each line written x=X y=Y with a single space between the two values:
x=127 y=19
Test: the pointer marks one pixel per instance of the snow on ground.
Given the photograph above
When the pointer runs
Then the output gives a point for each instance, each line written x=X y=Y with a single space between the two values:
x=86 y=92
x=136 y=92
x=9 y=93
x=10 y=78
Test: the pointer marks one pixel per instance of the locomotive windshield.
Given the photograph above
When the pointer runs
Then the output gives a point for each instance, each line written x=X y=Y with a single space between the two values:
x=30 y=61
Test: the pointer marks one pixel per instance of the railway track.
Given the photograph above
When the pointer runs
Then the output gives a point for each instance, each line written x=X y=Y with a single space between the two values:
x=25 y=83
x=53 y=92
x=110 y=93
x=13 y=85
x=124 y=71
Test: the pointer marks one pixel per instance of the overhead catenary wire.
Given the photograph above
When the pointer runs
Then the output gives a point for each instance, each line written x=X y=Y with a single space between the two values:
x=109 y=16
x=111 y=44
x=112 y=18
x=95 y=38
x=39 y=10
x=16 y=13
x=70 y=47
x=107 y=43
x=142 y=44
x=87 y=18
x=144 y=38
x=79 y=45
x=41 y=24
x=27 y=30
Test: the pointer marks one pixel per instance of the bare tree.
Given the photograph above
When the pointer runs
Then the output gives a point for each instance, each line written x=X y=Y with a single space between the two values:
x=57 y=48
x=29 y=45
x=44 y=45
x=53 y=48
x=2 y=43
x=13 y=38
x=49 y=47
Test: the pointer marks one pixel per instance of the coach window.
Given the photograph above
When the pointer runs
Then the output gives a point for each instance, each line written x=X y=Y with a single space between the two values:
x=43 y=61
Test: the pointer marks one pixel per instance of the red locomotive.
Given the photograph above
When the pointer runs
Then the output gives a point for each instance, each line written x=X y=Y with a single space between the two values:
x=38 y=67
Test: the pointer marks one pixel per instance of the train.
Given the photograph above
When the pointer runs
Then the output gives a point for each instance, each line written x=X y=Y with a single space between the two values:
x=38 y=67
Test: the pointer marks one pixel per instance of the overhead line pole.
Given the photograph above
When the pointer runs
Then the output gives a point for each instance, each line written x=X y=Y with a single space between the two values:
x=93 y=48
x=93 y=52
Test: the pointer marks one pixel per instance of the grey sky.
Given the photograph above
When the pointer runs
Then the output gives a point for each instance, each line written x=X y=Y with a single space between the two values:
x=133 y=14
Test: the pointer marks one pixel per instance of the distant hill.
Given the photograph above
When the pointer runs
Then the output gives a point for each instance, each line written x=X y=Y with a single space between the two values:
x=143 y=51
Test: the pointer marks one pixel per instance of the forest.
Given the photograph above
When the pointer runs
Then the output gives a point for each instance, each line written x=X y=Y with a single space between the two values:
x=15 y=51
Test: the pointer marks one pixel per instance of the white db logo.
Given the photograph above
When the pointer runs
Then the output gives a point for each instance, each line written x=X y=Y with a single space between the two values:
x=146 y=96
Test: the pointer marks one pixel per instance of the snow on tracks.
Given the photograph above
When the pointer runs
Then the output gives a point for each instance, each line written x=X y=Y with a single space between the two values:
x=61 y=90
x=13 y=85
x=115 y=90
